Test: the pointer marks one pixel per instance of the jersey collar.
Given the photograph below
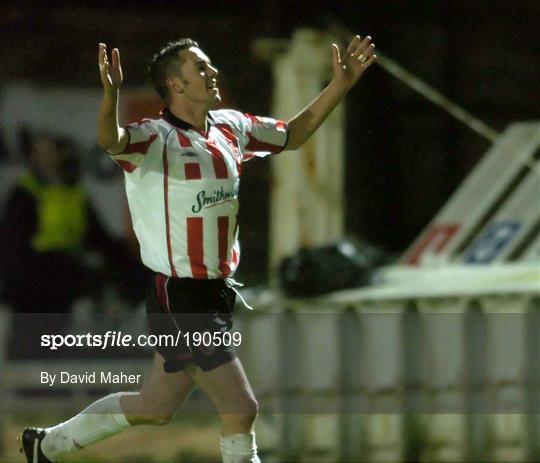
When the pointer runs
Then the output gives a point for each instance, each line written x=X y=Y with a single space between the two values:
x=167 y=115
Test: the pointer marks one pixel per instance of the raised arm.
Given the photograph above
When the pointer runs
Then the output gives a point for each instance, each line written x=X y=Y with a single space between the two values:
x=348 y=68
x=111 y=137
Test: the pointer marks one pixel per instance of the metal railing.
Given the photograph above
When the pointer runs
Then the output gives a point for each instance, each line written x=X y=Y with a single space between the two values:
x=360 y=377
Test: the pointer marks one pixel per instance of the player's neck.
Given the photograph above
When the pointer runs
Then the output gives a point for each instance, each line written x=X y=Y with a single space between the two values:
x=192 y=114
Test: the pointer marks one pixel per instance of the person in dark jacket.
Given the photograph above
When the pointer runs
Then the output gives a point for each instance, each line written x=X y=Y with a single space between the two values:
x=47 y=226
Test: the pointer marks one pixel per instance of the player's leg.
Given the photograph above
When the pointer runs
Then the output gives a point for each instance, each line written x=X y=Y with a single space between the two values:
x=229 y=389
x=161 y=395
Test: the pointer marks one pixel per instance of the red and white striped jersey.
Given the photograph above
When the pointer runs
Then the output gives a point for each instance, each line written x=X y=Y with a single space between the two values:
x=182 y=188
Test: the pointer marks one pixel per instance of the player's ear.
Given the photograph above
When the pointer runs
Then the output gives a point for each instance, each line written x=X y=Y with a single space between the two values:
x=174 y=84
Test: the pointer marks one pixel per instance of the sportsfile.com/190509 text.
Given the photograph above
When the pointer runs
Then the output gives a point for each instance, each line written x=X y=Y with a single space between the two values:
x=112 y=339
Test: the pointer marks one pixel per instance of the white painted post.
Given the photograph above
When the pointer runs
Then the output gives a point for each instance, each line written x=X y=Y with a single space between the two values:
x=307 y=185
x=506 y=325
x=444 y=353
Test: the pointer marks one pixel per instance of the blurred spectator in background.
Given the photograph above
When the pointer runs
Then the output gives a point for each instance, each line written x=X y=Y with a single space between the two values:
x=46 y=230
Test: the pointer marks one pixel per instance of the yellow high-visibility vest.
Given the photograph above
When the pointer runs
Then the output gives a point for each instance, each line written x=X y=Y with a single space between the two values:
x=61 y=214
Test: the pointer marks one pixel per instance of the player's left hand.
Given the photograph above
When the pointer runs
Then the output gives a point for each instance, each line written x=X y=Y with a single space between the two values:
x=359 y=55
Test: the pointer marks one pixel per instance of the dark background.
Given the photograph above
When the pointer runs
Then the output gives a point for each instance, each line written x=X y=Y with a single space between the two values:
x=404 y=155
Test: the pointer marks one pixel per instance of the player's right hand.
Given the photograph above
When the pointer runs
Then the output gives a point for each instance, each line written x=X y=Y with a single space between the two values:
x=110 y=73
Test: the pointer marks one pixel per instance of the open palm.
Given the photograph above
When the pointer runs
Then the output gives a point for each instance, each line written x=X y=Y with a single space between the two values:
x=110 y=72
x=358 y=56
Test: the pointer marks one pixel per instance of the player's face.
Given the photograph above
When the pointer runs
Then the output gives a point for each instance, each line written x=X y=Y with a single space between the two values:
x=199 y=77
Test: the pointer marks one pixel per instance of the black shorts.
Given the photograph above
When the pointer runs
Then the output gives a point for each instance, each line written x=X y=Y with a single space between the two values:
x=192 y=307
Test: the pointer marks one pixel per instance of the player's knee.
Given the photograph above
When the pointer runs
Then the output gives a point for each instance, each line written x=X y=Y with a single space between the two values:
x=144 y=410
x=148 y=418
x=252 y=409
x=159 y=420
x=243 y=416
x=249 y=410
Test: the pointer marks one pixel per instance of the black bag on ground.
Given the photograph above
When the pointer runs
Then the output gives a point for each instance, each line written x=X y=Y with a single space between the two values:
x=316 y=271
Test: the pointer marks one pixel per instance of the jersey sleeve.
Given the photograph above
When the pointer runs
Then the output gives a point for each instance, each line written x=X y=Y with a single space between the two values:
x=141 y=136
x=261 y=136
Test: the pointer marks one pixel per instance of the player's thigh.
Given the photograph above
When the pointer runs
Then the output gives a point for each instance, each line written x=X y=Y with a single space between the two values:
x=228 y=388
x=161 y=393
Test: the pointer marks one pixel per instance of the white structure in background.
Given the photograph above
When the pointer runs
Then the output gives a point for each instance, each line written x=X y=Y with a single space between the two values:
x=307 y=187
x=494 y=216
x=513 y=228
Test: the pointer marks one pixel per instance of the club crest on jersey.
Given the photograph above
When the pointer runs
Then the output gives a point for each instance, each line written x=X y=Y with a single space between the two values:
x=205 y=200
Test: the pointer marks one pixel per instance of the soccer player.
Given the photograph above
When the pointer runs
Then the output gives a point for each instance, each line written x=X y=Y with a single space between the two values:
x=182 y=175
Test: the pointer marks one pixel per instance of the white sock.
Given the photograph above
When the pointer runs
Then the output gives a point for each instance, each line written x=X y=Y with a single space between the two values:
x=239 y=448
x=98 y=421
